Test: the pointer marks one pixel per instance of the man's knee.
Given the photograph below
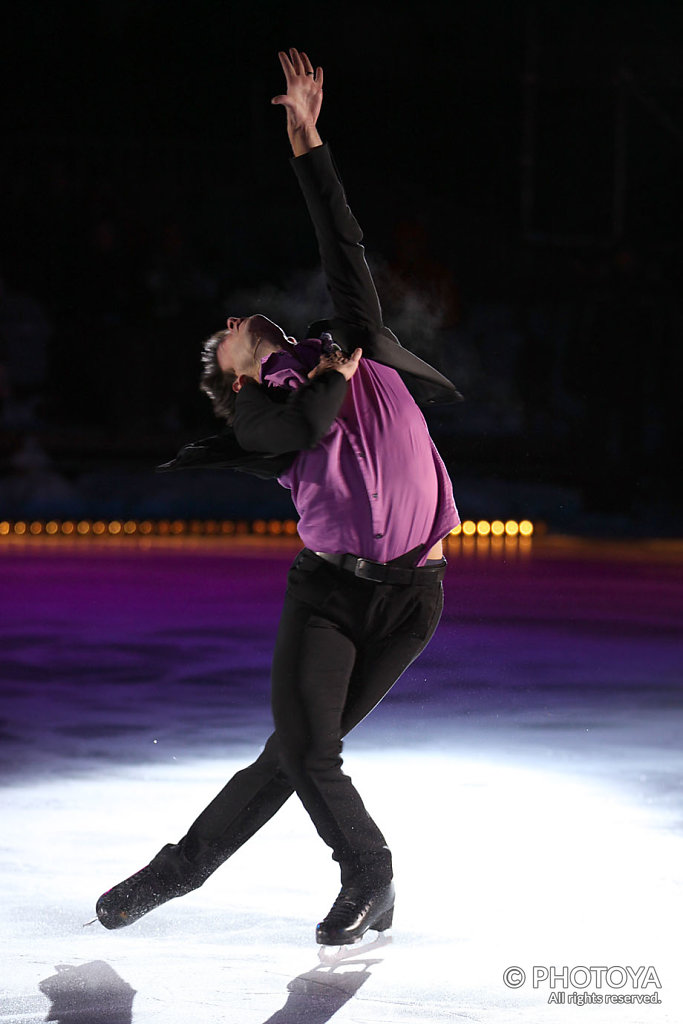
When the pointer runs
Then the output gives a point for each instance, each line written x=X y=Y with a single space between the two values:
x=306 y=760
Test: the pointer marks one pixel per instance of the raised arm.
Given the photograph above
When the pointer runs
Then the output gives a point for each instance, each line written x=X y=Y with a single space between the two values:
x=339 y=236
x=302 y=101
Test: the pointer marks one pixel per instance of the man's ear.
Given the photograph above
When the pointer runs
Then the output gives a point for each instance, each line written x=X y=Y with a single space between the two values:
x=238 y=382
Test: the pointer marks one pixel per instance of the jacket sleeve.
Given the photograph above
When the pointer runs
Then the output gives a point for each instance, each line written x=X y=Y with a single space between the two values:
x=339 y=236
x=301 y=421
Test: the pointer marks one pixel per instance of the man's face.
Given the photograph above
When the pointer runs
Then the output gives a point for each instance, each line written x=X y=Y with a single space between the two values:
x=247 y=341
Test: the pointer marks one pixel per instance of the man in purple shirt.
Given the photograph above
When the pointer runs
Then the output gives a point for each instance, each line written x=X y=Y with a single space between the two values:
x=337 y=425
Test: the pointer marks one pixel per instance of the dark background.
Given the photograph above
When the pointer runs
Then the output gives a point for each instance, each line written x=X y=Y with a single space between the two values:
x=516 y=167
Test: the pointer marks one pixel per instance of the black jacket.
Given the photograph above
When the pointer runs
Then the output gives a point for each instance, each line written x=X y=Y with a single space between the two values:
x=270 y=427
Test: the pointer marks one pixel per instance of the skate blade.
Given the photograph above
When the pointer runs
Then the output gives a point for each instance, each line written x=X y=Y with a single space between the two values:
x=335 y=954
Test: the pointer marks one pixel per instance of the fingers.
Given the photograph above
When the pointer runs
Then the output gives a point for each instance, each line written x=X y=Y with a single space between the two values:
x=296 y=60
x=286 y=65
x=346 y=365
x=326 y=363
x=316 y=75
x=296 y=65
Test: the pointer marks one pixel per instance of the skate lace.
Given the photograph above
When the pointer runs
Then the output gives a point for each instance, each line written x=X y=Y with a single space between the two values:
x=347 y=902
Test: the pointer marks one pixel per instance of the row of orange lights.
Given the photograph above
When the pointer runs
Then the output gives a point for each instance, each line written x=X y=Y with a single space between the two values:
x=176 y=527
x=146 y=527
x=495 y=528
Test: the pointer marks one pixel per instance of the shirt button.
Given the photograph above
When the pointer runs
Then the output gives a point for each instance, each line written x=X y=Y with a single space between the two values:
x=374 y=495
x=378 y=535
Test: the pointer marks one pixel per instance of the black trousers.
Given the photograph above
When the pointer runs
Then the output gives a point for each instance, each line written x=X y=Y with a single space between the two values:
x=342 y=643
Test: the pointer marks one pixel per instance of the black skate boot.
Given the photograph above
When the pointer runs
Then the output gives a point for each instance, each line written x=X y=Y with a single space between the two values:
x=355 y=910
x=133 y=898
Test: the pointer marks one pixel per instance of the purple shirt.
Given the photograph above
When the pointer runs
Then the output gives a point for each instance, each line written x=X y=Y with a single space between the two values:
x=375 y=486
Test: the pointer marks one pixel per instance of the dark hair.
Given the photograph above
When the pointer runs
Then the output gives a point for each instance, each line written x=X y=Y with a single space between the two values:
x=217 y=383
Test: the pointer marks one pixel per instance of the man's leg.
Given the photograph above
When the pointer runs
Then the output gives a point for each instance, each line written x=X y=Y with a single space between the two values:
x=250 y=799
x=375 y=630
x=334 y=660
x=312 y=668
x=247 y=802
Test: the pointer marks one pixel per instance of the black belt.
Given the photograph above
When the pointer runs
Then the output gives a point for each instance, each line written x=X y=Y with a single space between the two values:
x=381 y=572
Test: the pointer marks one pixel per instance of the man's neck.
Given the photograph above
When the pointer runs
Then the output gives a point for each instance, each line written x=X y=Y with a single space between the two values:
x=264 y=348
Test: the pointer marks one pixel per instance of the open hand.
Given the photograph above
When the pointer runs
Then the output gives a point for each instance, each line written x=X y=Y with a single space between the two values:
x=304 y=95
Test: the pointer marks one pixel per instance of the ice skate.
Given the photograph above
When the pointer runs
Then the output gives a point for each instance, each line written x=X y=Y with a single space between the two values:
x=131 y=899
x=354 y=912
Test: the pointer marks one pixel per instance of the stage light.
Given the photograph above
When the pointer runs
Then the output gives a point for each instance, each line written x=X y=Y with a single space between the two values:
x=468 y=531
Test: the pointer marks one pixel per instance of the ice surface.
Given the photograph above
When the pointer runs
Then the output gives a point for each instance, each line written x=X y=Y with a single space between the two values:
x=526 y=771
